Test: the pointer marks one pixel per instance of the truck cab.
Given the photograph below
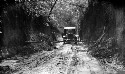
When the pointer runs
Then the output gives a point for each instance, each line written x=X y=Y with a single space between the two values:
x=69 y=35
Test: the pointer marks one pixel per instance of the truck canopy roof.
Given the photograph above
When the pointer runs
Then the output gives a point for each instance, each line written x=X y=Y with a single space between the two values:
x=69 y=27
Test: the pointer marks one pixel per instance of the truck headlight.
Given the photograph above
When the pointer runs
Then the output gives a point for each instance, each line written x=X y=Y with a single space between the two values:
x=64 y=36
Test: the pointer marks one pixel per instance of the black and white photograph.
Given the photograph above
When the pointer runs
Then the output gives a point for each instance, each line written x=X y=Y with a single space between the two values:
x=62 y=37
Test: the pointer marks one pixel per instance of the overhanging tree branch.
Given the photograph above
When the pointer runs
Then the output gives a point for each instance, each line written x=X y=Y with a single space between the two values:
x=52 y=7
